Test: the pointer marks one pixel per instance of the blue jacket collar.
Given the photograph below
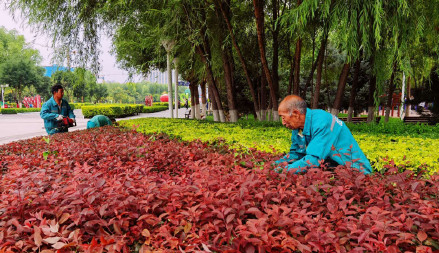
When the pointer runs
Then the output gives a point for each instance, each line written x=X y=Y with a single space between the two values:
x=307 y=127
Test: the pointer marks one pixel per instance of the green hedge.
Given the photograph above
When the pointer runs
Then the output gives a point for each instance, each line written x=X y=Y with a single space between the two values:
x=18 y=110
x=160 y=103
x=80 y=105
x=111 y=111
x=154 y=108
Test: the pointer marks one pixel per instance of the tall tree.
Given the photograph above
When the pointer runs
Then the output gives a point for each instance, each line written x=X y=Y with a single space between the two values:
x=259 y=15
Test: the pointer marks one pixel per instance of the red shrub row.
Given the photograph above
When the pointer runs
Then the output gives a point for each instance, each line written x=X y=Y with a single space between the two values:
x=106 y=190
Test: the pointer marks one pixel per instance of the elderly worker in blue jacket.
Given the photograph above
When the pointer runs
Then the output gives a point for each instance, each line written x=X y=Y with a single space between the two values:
x=316 y=136
x=55 y=109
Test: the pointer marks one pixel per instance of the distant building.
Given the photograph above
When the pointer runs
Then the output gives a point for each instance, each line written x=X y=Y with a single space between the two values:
x=52 y=69
x=156 y=76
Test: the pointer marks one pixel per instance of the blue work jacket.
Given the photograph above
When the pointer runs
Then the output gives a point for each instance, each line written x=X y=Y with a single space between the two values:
x=324 y=137
x=50 y=111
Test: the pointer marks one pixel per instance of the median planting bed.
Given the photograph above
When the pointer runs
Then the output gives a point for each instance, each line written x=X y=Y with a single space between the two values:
x=113 y=190
x=406 y=146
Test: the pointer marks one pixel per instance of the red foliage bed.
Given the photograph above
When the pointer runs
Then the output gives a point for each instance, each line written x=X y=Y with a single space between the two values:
x=108 y=190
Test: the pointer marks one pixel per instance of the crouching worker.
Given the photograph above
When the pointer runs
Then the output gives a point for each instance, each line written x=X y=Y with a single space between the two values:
x=99 y=120
x=54 y=110
x=317 y=135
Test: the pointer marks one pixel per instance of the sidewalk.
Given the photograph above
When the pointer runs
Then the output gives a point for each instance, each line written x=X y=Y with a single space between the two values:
x=14 y=127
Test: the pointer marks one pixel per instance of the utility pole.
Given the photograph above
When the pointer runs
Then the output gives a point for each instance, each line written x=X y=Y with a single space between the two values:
x=176 y=87
x=3 y=94
x=168 y=45
x=401 y=108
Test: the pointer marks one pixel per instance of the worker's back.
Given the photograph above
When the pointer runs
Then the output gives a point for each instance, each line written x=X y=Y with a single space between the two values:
x=98 y=121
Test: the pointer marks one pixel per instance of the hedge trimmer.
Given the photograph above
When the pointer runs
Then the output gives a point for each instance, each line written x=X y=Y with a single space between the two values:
x=65 y=123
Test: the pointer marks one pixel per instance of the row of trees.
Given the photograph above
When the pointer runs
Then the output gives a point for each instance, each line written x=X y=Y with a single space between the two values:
x=251 y=53
x=19 y=65
x=136 y=92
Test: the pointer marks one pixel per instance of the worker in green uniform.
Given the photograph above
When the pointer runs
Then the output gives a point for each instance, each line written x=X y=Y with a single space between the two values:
x=98 y=121
x=55 y=109
x=317 y=136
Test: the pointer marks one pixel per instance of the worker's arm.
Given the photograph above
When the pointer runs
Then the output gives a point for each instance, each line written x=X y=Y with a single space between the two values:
x=293 y=154
x=319 y=148
x=46 y=113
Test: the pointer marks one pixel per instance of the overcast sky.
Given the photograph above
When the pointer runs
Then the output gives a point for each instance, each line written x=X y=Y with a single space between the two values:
x=110 y=71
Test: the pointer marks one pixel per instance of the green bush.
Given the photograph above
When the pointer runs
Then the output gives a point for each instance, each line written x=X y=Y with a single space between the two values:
x=18 y=110
x=112 y=111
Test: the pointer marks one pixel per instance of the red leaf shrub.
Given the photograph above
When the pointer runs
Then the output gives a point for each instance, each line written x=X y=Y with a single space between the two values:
x=107 y=190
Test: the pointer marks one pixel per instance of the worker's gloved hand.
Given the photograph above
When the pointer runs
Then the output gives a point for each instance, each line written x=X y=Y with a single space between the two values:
x=60 y=117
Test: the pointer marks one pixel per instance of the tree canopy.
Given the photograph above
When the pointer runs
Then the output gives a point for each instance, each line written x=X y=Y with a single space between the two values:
x=252 y=53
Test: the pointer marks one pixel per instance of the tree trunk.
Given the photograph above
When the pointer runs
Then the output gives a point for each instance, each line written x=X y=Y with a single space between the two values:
x=259 y=14
x=192 y=87
x=371 y=100
x=390 y=93
x=297 y=55
x=409 y=106
x=203 y=110
x=241 y=58
x=340 y=90
x=275 y=46
x=263 y=97
x=228 y=77
x=212 y=82
x=320 y=58
x=197 y=103
x=353 y=92
x=309 y=82
x=226 y=57
x=215 y=112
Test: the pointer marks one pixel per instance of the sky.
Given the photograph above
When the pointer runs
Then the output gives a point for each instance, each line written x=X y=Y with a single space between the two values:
x=110 y=71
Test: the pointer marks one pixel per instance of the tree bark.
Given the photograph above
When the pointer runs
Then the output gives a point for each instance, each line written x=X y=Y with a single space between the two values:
x=340 y=90
x=319 y=63
x=353 y=92
x=259 y=14
x=241 y=59
x=390 y=93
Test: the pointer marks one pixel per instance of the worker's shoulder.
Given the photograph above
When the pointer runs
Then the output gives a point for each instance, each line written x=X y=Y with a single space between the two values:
x=321 y=114
x=49 y=102
x=64 y=101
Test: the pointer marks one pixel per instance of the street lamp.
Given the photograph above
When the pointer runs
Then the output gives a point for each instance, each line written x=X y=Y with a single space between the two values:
x=3 y=94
